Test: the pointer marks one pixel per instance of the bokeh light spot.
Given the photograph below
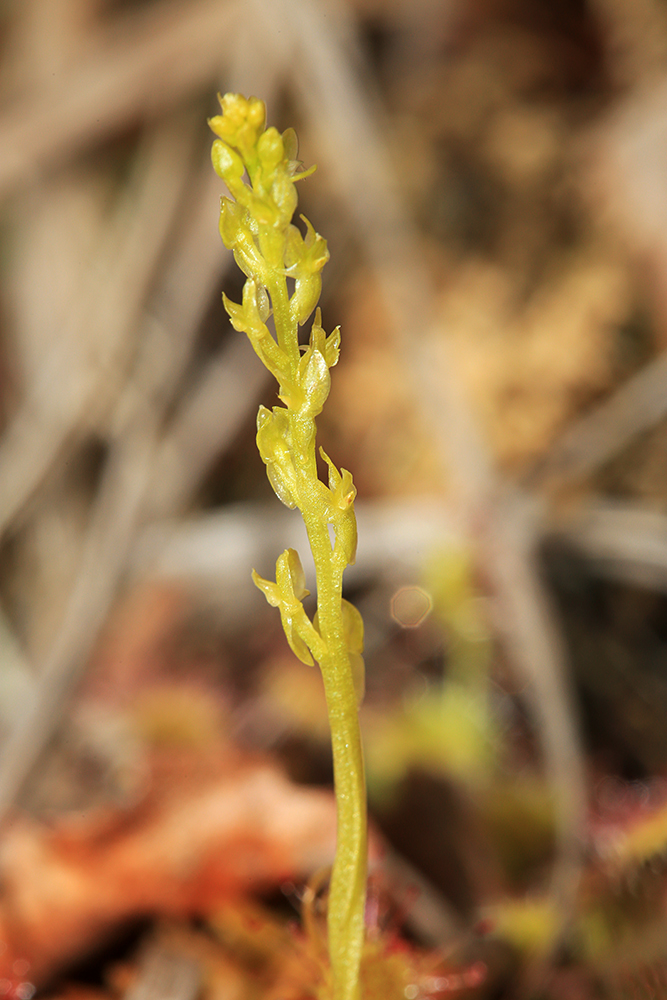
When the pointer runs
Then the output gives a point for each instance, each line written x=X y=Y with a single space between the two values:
x=410 y=606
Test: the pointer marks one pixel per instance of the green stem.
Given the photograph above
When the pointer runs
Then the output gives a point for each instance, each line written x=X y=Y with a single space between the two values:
x=287 y=332
x=347 y=892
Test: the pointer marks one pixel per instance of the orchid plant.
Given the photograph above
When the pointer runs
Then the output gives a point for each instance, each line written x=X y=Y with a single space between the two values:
x=283 y=264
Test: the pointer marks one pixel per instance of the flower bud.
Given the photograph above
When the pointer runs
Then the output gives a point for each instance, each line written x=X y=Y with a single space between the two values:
x=284 y=197
x=270 y=150
x=314 y=381
x=306 y=296
x=227 y=164
x=241 y=122
x=290 y=576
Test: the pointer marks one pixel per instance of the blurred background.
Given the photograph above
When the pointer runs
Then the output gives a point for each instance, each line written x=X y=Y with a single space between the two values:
x=492 y=182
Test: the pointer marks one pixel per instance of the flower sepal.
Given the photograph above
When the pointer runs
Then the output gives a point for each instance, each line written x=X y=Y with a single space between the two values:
x=340 y=511
x=304 y=259
x=287 y=594
x=328 y=346
x=273 y=444
x=248 y=318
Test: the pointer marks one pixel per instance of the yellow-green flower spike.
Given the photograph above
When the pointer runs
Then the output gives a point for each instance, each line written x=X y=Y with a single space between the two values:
x=260 y=168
